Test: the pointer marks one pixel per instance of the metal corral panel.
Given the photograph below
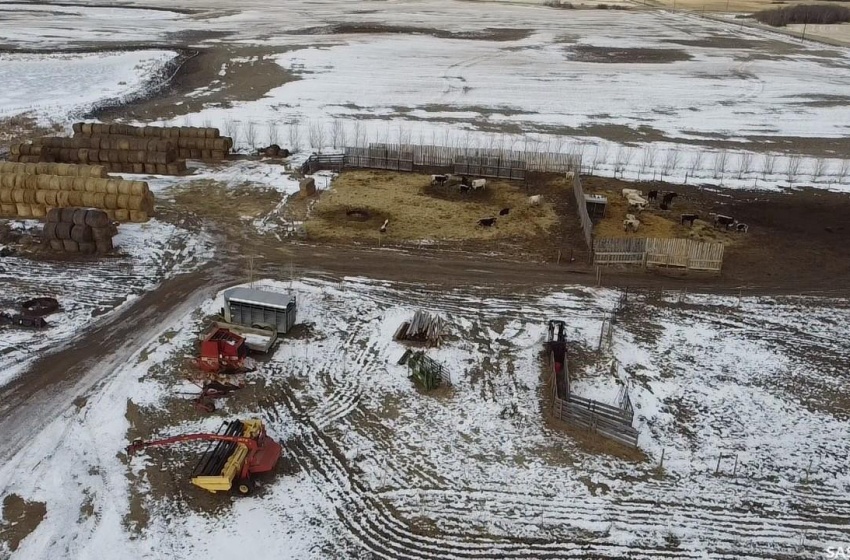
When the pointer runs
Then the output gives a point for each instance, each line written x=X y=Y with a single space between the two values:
x=249 y=307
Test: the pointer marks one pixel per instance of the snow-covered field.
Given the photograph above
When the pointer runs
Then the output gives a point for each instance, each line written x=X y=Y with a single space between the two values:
x=88 y=290
x=56 y=87
x=512 y=75
x=378 y=469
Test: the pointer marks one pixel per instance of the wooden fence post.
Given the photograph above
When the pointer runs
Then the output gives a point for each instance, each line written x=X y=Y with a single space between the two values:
x=735 y=468
x=717 y=468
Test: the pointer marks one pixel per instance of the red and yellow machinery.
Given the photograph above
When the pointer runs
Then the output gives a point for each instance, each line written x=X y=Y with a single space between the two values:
x=222 y=350
x=238 y=451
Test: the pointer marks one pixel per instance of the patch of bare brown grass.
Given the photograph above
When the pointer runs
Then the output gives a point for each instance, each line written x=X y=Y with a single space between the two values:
x=359 y=202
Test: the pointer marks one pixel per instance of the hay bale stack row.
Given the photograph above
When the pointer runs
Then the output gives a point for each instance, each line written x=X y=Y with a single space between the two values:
x=79 y=230
x=94 y=129
x=60 y=169
x=108 y=143
x=190 y=142
x=32 y=196
x=115 y=161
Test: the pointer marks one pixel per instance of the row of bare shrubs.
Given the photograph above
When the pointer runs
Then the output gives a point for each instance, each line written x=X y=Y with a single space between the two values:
x=814 y=14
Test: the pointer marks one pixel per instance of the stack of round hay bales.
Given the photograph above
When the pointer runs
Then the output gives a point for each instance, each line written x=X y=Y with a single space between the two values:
x=191 y=142
x=78 y=230
x=61 y=169
x=31 y=196
x=116 y=154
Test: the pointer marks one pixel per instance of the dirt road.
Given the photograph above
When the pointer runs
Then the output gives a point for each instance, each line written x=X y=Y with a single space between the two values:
x=56 y=380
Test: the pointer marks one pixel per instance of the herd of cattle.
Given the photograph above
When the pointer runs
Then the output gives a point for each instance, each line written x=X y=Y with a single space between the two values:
x=637 y=204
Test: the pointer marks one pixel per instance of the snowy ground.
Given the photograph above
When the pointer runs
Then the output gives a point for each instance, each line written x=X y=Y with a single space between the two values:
x=528 y=84
x=388 y=472
x=57 y=87
x=90 y=289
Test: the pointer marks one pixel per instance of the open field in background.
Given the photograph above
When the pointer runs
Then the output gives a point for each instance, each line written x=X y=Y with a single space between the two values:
x=375 y=468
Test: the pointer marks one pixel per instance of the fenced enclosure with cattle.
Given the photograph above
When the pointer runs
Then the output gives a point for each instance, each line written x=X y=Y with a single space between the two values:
x=648 y=252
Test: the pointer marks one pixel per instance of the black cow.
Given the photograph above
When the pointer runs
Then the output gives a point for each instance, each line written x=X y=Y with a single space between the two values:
x=486 y=222
x=667 y=200
x=689 y=219
x=464 y=188
x=464 y=180
x=652 y=195
x=725 y=221
x=504 y=211
x=742 y=228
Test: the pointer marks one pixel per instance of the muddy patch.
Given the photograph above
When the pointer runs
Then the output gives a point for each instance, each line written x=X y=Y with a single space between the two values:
x=715 y=42
x=487 y=34
x=20 y=518
x=610 y=55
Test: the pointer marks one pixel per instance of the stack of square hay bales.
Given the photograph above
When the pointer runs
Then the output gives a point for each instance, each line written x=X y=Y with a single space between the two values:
x=191 y=142
x=78 y=230
x=30 y=190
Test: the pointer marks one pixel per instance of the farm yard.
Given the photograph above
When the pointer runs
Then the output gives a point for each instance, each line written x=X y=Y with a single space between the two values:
x=347 y=229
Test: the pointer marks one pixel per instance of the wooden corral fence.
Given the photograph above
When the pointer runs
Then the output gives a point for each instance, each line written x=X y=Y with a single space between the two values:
x=679 y=253
x=609 y=421
x=479 y=162
x=427 y=371
x=320 y=162
x=581 y=207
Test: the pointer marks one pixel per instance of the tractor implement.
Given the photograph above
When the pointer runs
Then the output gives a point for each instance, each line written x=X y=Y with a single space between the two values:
x=239 y=450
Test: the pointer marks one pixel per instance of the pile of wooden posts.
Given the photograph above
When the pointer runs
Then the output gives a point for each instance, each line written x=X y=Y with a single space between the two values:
x=190 y=142
x=78 y=230
x=30 y=190
x=424 y=327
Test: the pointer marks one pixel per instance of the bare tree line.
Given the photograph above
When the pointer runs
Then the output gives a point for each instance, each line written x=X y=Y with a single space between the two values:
x=723 y=165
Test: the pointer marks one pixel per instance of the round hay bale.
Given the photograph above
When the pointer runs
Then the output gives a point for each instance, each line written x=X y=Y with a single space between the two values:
x=138 y=188
x=123 y=144
x=30 y=168
x=62 y=199
x=29 y=196
x=138 y=216
x=77 y=127
x=122 y=215
x=138 y=168
x=51 y=198
x=39 y=211
x=97 y=219
x=6 y=195
x=83 y=155
x=75 y=198
x=55 y=183
x=150 y=168
x=7 y=181
x=135 y=203
x=57 y=245
x=8 y=209
x=43 y=168
x=68 y=215
x=54 y=215
x=79 y=218
x=23 y=210
x=41 y=197
x=65 y=169
x=112 y=186
x=103 y=156
x=102 y=233
x=104 y=246
x=70 y=246
x=124 y=200
x=87 y=129
x=125 y=187
x=15 y=149
x=49 y=230
x=88 y=248
x=98 y=200
x=18 y=196
x=81 y=233
x=110 y=201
